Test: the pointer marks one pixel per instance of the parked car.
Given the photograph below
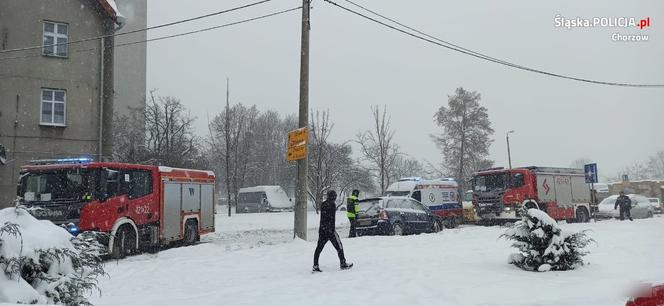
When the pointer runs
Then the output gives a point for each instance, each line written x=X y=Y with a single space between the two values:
x=395 y=216
x=641 y=207
x=263 y=199
x=439 y=195
x=657 y=205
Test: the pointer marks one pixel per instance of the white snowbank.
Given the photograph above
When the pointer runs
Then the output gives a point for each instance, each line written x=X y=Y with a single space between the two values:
x=34 y=235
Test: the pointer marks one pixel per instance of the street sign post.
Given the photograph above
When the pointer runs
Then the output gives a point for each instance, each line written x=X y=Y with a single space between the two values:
x=591 y=173
x=297 y=144
x=297 y=137
x=296 y=153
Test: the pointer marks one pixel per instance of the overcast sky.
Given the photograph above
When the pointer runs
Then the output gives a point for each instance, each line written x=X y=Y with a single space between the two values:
x=355 y=64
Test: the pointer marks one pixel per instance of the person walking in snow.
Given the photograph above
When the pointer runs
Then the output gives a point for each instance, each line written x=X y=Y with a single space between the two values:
x=327 y=232
x=625 y=206
x=352 y=208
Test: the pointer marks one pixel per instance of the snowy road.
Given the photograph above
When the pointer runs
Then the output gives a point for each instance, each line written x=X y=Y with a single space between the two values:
x=252 y=260
x=243 y=231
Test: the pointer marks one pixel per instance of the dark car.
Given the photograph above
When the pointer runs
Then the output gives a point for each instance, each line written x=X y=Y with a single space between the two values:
x=395 y=216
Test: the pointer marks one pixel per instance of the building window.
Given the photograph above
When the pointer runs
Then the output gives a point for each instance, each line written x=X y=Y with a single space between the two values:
x=55 y=39
x=53 y=107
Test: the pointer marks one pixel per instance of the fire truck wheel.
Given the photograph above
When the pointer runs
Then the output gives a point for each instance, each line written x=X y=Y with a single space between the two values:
x=190 y=233
x=531 y=204
x=582 y=215
x=124 y=243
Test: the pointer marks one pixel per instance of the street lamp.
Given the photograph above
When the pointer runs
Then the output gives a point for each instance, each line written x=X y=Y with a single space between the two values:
x=509 y=157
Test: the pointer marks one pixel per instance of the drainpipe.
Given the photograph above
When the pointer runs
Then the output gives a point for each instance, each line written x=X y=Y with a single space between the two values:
x=101 y=98
x=106 y=90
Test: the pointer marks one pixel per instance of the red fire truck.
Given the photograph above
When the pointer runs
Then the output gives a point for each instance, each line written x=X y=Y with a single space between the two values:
x=562 y=193
x=141 y=207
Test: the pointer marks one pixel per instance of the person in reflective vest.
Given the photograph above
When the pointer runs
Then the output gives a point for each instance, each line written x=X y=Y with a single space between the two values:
x=352 y=208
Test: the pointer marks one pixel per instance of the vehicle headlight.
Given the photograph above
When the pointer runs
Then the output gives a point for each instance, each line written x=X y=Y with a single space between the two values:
x=507 y=209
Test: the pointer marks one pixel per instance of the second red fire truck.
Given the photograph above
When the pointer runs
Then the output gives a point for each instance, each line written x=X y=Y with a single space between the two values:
x=140 y=206
x=499 y=193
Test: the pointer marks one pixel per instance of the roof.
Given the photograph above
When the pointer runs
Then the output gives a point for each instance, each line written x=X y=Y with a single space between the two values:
x=111 y=9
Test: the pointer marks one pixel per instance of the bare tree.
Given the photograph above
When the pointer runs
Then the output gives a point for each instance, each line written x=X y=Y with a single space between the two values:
x=235 y=128
x=406 y=167
x=162 y=133
x=378 y=147
x=354 y=176
x=466 y=138
x=579 y=163
x=656 y=165
x=129 y=138
x=635 y=171
x=327 y=161
x=170 y=137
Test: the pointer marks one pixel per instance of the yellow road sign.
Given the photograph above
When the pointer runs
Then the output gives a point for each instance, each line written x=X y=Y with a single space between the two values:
x=295 y=153
x=297 y=137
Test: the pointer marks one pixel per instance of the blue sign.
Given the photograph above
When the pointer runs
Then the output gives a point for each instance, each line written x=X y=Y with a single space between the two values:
x=591 y=173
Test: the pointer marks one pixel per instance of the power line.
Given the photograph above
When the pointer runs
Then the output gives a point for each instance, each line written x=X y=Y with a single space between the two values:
x=138 y=30
x=436 y=41
x=427 y=35
x=213 y=27
x=173 y=35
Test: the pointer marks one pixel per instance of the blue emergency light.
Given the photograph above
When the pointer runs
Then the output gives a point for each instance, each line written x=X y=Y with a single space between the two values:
x=73 y=229
x=79 y=160
x=74 y=160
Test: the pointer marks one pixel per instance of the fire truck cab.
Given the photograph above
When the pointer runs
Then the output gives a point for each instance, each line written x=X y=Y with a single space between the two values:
x=561 y=192
x=140 y=206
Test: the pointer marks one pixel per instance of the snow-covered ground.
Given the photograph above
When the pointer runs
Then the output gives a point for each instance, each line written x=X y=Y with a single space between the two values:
x=252 y=260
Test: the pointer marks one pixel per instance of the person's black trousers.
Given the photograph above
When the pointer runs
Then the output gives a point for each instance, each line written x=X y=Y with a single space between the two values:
x=323 y=238
x=352 y=233
x=625 y=212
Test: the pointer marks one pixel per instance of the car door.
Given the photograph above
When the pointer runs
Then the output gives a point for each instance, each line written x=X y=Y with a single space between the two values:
x=408 y=217
x=642 y=205
x=422 y=216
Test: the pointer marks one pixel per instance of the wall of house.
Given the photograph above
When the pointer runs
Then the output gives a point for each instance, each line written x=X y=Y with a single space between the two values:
x=21 y=81
x=130 y=61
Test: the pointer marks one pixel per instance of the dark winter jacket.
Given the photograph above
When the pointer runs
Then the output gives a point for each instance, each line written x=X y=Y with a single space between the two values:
x=328 y=212
x=624 y=202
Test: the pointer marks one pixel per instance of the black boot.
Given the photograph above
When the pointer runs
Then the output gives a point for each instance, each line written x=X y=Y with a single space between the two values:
x=344 y=265
x=316 y=268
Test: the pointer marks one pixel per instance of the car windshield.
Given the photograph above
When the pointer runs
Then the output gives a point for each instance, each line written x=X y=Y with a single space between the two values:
x=369 y=206
x=56 y=185
x=609 y=201
x=490 y=182
x=468 y=196
x=653 y=200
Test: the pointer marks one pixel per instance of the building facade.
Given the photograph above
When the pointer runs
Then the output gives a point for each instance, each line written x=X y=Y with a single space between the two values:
x=130 y=59
x=56 y=100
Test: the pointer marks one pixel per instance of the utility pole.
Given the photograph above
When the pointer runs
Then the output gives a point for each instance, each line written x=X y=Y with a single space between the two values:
x=228 y=135
x=300 y=226
x=509 y=156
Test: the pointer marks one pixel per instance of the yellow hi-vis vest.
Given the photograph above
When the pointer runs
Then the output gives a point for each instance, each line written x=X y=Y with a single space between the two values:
x=352 y=207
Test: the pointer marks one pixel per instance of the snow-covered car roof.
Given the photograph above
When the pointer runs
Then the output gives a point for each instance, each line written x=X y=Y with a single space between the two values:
x=260 y=188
